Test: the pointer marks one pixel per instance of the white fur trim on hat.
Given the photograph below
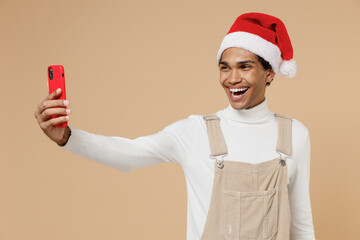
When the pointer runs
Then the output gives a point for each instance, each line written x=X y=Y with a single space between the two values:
x=265 y=49
x=288 y=68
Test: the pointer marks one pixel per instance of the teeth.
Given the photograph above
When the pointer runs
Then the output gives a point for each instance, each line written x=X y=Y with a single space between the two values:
x=237 y=89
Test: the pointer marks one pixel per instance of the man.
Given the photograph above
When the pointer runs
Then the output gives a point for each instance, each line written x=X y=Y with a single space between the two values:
x=243 y=190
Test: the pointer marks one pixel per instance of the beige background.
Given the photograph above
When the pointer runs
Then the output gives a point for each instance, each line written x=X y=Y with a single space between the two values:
x=134 y=67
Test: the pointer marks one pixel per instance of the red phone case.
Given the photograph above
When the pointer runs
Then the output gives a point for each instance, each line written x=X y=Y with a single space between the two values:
x=56 y=79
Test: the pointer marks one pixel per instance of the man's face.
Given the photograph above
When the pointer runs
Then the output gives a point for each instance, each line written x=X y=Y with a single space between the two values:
x=240 y=69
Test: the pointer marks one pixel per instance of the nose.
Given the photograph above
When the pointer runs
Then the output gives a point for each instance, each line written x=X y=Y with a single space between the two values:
x=235 y=77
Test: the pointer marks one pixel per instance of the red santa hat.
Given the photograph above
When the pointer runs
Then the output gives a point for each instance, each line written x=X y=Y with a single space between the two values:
x=264 y=35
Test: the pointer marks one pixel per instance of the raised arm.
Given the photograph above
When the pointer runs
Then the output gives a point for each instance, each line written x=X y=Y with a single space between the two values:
x=119 y=152
x=123 y=153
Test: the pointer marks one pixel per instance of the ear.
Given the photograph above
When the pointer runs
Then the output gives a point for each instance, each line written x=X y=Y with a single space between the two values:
x=269 y=75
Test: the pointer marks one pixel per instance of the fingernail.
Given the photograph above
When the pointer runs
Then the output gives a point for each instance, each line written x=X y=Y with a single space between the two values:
x=66 y=102
x=58 y=90
x=68 y=110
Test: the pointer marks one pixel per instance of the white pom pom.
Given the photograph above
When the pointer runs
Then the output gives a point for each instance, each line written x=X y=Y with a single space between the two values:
x=288 y=68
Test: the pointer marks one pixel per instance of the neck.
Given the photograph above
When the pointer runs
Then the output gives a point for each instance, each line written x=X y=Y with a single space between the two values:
x=255 y=115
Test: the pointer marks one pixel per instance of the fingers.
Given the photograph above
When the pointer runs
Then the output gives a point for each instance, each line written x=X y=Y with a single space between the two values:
x=54 y=121
x=48 y=102
x=43 y=103
x=53 y=95
x=48 y=112
x=51 y=104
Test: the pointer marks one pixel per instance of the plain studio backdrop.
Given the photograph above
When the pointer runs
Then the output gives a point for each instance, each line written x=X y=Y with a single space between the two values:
x=134 y=67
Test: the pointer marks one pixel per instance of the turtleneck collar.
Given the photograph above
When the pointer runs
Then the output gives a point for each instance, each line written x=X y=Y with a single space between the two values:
x=255 y=115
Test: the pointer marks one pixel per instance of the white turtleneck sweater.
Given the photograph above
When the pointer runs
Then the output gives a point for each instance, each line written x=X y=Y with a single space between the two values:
x=250 y=135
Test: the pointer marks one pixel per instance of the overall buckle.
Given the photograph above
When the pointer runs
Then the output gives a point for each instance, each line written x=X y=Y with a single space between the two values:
x=219 y=163
x=283 y=158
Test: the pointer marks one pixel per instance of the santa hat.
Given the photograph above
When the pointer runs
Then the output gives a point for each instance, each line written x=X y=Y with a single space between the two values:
x=264 y=35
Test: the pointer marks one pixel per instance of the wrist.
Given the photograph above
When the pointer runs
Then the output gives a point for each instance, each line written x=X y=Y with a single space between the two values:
x=65 y=138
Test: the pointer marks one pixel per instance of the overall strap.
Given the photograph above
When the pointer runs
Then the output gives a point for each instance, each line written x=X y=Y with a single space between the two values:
x=215 y=135
x=217 y=142
x=284 y=134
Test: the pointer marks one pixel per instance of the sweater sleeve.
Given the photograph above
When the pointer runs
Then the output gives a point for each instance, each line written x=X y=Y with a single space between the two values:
x=299 y=195
x=126 y=154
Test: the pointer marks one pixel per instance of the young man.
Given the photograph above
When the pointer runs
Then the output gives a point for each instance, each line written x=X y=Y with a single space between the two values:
x=247 y=169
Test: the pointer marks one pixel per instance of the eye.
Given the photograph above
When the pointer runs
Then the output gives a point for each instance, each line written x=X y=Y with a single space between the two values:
x=245 y=66
x=223 y=67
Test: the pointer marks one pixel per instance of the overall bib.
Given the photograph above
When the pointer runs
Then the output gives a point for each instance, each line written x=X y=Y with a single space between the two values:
x=248 y=201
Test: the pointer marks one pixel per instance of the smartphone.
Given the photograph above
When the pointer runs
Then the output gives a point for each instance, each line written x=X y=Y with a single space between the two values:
x=56 y=79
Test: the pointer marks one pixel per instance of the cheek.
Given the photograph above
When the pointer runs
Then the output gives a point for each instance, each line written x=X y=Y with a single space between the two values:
x=222 y=78
x=255 y=79
x=250 y=76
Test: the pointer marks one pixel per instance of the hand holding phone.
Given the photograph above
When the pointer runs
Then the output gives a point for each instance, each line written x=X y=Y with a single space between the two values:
x=51 y=105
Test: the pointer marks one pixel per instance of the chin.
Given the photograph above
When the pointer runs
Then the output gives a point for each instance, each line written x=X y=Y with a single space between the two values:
x=238 y=106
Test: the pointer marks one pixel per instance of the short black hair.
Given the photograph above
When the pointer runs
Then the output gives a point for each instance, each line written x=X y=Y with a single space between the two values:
x=266 y=65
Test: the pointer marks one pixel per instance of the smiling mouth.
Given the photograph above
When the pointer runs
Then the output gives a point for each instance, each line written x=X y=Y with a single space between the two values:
x=238 y=92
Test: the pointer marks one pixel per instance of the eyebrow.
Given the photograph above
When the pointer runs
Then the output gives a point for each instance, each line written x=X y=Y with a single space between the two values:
x=242 y=62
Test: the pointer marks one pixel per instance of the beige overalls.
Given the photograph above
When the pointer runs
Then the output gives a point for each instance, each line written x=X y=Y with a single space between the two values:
x=248 y=201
